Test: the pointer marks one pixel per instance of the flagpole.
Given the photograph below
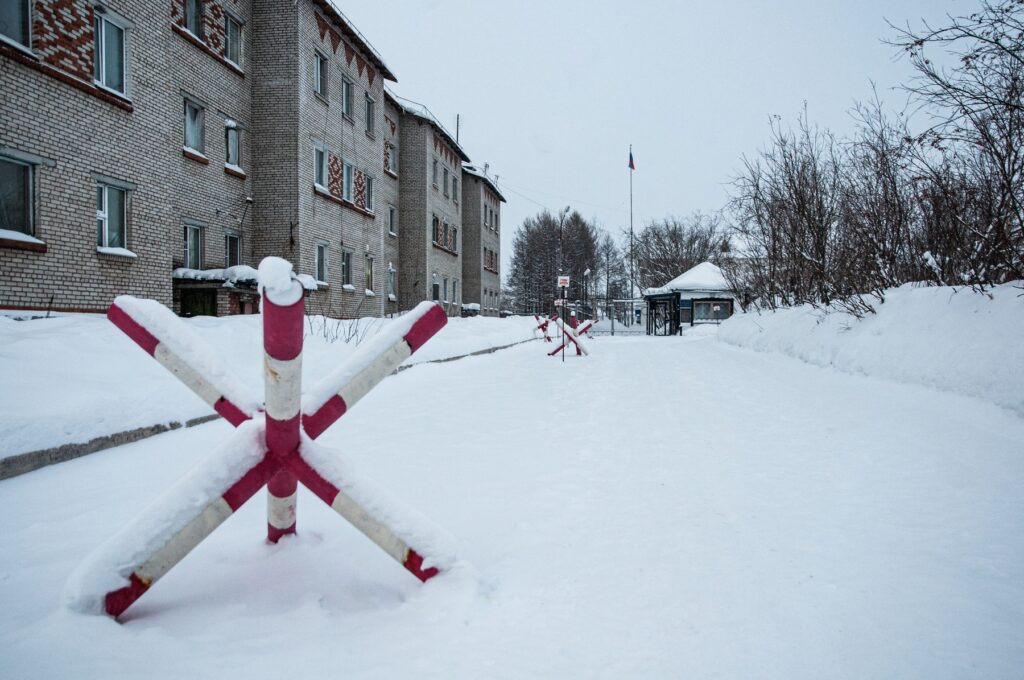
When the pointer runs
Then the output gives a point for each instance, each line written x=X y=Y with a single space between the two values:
x=632 y=306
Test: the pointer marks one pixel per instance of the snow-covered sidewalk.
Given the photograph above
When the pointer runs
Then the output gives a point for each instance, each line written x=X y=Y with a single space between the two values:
x=73 y=378
x=666 y=507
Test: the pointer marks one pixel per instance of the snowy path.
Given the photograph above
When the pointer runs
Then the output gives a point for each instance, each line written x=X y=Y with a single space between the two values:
x=697 y=510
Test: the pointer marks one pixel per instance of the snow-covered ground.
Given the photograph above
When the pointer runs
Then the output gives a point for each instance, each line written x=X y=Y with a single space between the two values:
x=667 y=507
x=75 y=377
x=950 y=338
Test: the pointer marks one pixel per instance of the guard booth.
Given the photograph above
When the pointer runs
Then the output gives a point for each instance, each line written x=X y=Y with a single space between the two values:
x=699 y=295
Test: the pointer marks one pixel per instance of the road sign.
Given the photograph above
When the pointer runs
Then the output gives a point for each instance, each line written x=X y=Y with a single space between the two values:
x=563 y=281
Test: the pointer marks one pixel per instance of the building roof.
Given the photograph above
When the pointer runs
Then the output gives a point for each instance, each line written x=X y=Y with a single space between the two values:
x=703 y=277
x=355 y=37
x=423 y=113
x=475 y=172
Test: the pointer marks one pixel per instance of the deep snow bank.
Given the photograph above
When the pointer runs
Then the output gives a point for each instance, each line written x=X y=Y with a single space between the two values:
x=952 y=339
x=72 y=378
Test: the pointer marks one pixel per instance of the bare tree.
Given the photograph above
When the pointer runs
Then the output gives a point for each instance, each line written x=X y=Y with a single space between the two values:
x=664 y=250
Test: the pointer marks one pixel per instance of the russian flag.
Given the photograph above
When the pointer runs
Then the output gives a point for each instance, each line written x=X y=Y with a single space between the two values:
x=632 y=166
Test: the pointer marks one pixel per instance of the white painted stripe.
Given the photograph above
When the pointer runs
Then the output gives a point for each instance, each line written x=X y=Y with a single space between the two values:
x=378 y=369
x=161 y=561
x=186 y=374
x=371 y=528
x=283 y=381
x=281 y=511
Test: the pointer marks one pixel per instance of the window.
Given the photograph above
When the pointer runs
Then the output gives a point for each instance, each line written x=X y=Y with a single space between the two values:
x=320 y=75
x=454 y=243
x=368 y=267
x=15 y=20
x=435 y=289
x=392 y=220
x=347 y=183
x=232 y=149
x=111 y=217
x=487 y=216
x=346 y=267
x=391 y=281
x=444 y=235
x=392 y=160
x=371 y=123
x=193 y=126
x=445 y=299
x=435 y=229
x=455 y=189
x=16 y=204
x=446 y=181
x=194 y=17
x=455 y=291
x=496 y=221
x=434 y=173
x=320 y=263
x=232 y=40
x=320 y=166
x=711 y=310
x=193 y=246
x=369 y=194
x=232 y=249
x=108 y=53
x=346 y=96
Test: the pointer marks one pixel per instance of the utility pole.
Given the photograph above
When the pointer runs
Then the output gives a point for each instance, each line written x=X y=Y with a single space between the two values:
x=632 y=311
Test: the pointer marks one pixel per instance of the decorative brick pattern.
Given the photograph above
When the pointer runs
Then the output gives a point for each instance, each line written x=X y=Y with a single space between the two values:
x=62 y=35
x=334 y=175
x=214 y=29
x=359 y=189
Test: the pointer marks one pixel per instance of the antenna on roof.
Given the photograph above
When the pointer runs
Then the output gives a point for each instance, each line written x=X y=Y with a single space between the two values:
x=457 y=128
x=487 y=166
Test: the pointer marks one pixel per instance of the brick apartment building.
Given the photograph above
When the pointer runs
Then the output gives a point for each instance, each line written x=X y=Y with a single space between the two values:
x=481 y=217
x=151 y=147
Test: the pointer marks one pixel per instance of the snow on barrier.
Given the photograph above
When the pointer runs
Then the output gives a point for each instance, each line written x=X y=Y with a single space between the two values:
x=543 y=324
x=572 y=336
x=272 y=448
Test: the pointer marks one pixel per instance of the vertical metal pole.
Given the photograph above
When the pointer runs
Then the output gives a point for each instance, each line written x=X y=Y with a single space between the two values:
x=632 y=312
x=282 y=343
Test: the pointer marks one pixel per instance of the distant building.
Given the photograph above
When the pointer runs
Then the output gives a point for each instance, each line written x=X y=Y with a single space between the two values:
x=698 y=295
x=481 y=257
x=430 y=216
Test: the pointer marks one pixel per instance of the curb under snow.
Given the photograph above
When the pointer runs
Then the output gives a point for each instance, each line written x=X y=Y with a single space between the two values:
x=21 y=463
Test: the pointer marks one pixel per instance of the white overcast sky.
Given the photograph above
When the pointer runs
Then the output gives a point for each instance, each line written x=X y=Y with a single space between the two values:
x=552 y=93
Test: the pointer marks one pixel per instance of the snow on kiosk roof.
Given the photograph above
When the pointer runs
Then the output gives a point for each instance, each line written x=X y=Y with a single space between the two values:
x=704 y=277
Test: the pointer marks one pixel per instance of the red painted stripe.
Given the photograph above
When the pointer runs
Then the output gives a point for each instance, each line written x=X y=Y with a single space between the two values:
x=117 y=601
x=251 y=482
x=282 y=329
x=317 y=423
x=274 y=534
x=312 y=480
x=425 y=327
x=556 y=350
x=132 y=329
x=414 y=563
x=283 y=435
x=230 y=412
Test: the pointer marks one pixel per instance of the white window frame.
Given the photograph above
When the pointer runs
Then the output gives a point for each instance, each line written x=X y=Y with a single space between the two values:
x=370 y=110
x=200 y=124
x=31 y=194
x=346 y=96
x=445 y=290
x=445 y=175
x=321 y=73
x=455 y=189
x=197 y=30
x=346 y=266
x=348 y=176
x=228 y=20
x=321 y=259
x=232 y=131
x=368 y=271
x=392 y=277
x=228 y=236
x=455 y=291
x=29 y=7
x=193 y=229
x=434 y=174
x=320 y=165
x=392 y=220
x=393 y=159
x=103 y=217
x=368 y=194
x=100 y=23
